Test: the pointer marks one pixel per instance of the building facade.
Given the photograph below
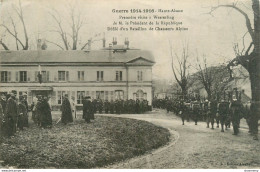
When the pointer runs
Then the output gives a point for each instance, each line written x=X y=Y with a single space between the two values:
x=107 y=74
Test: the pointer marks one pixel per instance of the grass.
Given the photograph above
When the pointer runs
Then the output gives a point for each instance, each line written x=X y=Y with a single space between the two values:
x=80 y=145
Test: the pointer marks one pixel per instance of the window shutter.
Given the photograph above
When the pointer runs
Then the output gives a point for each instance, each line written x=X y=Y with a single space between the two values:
x=102 y=75
x=48 y=76
x=0 y=75
x=121 y=75
x=17 y=76
x=9 y=76
x=97 y=75
x=83 y=76
x=28 y=75
x=67 y=75
x=35 y=76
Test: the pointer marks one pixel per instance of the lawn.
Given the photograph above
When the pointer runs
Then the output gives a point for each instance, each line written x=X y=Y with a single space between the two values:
x=80 y=145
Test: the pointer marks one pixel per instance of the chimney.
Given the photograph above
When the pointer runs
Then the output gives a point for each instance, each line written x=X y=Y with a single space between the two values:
x=127 y=43
x=110 y=50
x=89 y=44
x=39 y=44
x=114 y=41
x=104 y=42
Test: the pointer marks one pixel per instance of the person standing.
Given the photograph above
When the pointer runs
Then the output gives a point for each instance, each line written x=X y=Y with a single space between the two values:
x=87 y=109
x=1 y=123
x=22 y=114
x=73 y=107
x=11 y=115
x=47 y=112
x=66 y=116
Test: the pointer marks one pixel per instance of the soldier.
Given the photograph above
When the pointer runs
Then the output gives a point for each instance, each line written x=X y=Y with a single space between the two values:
x=112 y=107
x=222 y=110
x=195 y=111
x=182 y=111
x=235 y=110
x=137 y=106
x=11 y=114
x=106 y=106
x=66 y=116
x=87 y=109
x=100 y=106
x=212 y=112
x=206 y=112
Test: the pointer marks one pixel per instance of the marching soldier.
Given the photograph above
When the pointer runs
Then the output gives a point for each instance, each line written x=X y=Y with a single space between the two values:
x=212 y=112
x=196 y=111
x=235 y=110
x=222 y=110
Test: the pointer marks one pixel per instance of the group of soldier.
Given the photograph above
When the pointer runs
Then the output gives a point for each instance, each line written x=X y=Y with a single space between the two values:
x=121 y=106
x=223 y=112
x=13 y=114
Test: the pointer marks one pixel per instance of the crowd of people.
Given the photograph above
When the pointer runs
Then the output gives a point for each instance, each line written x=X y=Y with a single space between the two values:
x=14 y=113
x=223 y=112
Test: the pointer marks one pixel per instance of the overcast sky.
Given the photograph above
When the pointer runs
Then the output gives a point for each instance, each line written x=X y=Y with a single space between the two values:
x=212 y=36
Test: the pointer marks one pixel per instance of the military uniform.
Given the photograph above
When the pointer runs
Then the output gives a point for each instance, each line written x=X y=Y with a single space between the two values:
x=235 y=110
x=222 y=110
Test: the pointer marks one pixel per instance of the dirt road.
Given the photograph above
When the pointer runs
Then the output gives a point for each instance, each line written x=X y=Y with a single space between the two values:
x=195 y=146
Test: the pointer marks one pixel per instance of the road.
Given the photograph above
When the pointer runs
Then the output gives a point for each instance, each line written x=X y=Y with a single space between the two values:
x=195 y=146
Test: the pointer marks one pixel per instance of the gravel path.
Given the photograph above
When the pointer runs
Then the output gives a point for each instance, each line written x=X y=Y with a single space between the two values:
x=194 y=146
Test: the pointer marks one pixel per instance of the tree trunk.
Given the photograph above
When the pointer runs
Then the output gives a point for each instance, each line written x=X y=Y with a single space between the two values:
x=254 y=68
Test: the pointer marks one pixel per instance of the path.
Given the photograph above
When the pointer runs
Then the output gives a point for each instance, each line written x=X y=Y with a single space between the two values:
x=196 y=146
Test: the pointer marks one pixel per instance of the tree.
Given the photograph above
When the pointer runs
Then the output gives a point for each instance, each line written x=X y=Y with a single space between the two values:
x=181 y=70
x=69 y=36
x=250 y=58
x=13 y=32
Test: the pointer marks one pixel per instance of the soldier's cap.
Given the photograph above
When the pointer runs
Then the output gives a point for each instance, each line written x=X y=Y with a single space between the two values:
x=87 y=97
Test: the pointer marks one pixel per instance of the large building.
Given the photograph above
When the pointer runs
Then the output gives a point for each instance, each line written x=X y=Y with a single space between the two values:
x=111 y=73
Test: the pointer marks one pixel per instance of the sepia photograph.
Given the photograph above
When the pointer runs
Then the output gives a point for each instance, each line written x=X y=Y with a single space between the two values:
x=129 y=84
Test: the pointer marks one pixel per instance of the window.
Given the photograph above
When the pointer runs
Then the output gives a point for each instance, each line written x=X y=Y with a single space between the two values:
x=80 y=96
x=100 y=75
x=80 y=75
x=119 y=75
x=63 y=75
x=139 y=75
x=60 y=96
x=4 y=76
x=45 y=76
x=23 y=76
x=100 y=95
x=119 y=94
x=140 y=95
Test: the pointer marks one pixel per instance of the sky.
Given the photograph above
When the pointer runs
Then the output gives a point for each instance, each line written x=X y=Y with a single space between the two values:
x=212 y=36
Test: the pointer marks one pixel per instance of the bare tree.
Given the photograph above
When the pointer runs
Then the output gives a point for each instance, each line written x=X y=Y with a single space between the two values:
x=205 y=75
x=249 y=57
x=76 y=22
x=181 y=69
x=13 y=32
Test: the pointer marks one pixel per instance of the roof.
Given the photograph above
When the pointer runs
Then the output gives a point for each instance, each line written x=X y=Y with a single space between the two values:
x=74 y=56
